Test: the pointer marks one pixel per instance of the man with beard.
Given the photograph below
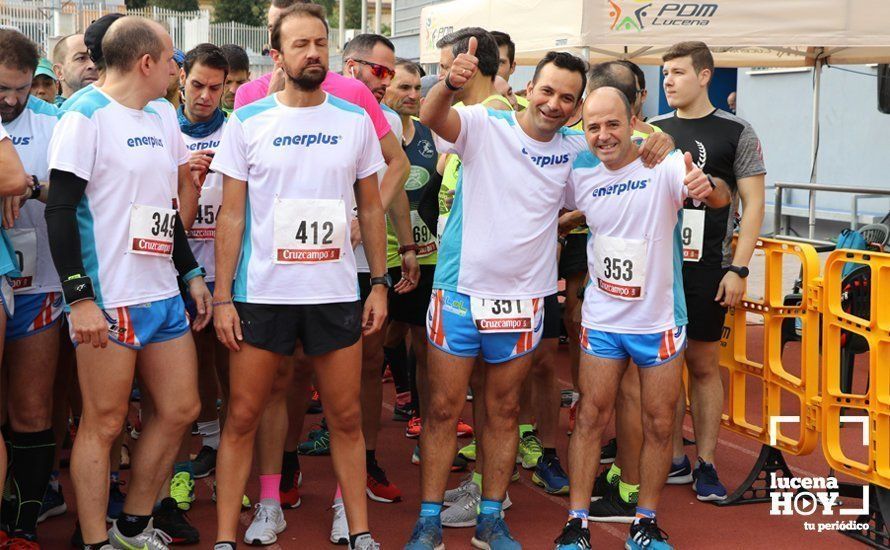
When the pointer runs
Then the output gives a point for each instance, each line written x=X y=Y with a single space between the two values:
x=289 y=234
x=239 y=74
x=73 y=66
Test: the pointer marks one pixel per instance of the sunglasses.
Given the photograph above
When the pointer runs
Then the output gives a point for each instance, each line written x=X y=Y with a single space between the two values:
x=376 y=69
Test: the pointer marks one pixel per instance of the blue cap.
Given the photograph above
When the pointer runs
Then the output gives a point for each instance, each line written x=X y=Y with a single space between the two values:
x=178 y=56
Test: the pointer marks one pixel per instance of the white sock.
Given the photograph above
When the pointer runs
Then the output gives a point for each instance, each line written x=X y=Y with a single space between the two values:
x=210 y=433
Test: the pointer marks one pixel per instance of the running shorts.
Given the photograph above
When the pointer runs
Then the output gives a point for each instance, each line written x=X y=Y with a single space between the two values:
x=411 y=308
x=646 y=350
x=451 y=328
x=573 y=258
x=139 y=325
x=321 y=328
x=34 y=313
x=706 y=317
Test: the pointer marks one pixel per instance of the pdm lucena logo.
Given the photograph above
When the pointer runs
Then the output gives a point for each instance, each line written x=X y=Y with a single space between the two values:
x=636 y=15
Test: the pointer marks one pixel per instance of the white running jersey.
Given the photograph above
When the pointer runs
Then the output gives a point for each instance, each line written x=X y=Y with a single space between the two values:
x=300 y=165
x=202 y=235
x=130 y=160
x=395 y=124
x=500 y=239
x=634 y=250
x=31 y=133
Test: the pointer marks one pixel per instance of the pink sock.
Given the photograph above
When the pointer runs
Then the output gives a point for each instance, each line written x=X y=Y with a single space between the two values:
x=269 y=487
x=337 y=495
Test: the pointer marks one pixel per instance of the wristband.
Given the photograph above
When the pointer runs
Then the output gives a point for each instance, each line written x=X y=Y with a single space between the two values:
x=449 y=85
x=197 y=272
x=78 y=288
x=35 y=188
x=407 y=248
x=222 y=303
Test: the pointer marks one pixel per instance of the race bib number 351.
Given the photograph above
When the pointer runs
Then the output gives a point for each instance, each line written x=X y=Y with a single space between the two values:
x=309 y=231
x=151 y=230
x=502 y=315
x=620 y=266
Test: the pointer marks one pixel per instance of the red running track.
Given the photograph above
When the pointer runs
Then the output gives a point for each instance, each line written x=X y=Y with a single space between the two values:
x=536 y=517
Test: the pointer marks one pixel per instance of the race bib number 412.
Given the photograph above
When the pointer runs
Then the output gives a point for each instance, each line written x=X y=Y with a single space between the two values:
x=502 y=315
x=309 y=231
x=151 y=230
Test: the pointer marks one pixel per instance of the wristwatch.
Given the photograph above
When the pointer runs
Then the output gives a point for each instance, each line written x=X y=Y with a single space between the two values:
x=384 y=280
x=740 y=271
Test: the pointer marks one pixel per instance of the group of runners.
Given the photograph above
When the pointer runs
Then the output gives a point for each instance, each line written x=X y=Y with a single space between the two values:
x=221 y=248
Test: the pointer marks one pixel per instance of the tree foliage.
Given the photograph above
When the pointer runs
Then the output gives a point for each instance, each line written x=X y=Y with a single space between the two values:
x=249 y=12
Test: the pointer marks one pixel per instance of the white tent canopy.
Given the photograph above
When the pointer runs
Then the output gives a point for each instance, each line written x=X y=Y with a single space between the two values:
x=742 y=33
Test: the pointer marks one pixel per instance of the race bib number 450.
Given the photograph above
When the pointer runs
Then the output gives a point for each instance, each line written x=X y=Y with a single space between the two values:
x=502 y=315
x=309 y=231
x=151 y=230
x=204 y=228
x=620 y=266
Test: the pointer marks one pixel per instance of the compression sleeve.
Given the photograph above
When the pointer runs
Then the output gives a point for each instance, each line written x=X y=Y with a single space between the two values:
x=183 y=259
x=65 y=192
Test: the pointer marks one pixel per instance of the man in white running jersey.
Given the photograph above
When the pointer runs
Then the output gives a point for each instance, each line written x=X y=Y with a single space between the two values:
x=294 y=165
x=119 y=244
x=634 y=306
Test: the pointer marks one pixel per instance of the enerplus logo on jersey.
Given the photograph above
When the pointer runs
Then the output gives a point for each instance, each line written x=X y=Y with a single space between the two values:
x=805 y=496
x=546 y=160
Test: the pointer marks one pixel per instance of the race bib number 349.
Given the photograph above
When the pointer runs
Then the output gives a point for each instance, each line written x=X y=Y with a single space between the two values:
x=309 y=231
x=620 y=266
x=502 y=315
x=151 y=230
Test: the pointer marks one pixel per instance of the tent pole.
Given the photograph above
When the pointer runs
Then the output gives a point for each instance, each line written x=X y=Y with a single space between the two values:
x=817 y=85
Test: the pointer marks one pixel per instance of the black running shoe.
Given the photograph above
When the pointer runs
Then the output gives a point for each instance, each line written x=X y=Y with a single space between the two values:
x=173 y=521
x=205 y=463
x=573 y=536
x=609 y=451
x=602 y=487
x=612 y=508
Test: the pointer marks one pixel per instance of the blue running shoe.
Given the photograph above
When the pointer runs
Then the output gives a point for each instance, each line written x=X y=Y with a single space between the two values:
x=53 y=504
x=116 y=499
x=645 y=535
x=427 y=535
x=550 y=475
x=492 y=534
x=573 y=536
x=680 y=474
x=707 y=485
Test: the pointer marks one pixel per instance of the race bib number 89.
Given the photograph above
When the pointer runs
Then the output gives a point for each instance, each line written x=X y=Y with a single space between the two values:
x=151 y=230
x=620 y=266
x=502 y=315
x=309 y=231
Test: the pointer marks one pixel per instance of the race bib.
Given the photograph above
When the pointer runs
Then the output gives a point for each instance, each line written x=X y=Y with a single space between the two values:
x=309 y=231
x=620 y=266
x=151 y=230
x=204 y=228
x=502 y=315
x=423 y=237
x=440 y=227
x=24 y=241
x=693 y=234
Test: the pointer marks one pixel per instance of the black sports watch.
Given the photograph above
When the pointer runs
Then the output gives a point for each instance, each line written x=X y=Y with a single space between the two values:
x=740 y=271
x=384 y=280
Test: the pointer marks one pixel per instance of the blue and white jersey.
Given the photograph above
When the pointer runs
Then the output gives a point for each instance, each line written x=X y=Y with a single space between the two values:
x=202 y=235
x=500 y=239
x=31 y=132
x=300 y=165
x=130 y=160
x=635 y=249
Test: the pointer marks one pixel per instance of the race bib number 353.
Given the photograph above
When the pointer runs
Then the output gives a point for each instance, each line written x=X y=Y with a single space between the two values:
x=620 y=266
x=502 y=315
x=309 y=231
x=151 y=230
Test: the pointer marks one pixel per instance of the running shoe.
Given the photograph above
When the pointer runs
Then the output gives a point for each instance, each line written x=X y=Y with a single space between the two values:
x=573 y=410
x=135 y=429
x=645 y=535
x=550 y=475
x=402 y=409
x=602 y=487
x=514 y=477
x=463 y=511
x=530 y=450
x=289 y=489
x=339 y=527
x=492 y=534
x=468 y=451
x=245 y=502
x=469 y=394
x=205 y=463
x=459 y=464
x=387 y=375
x=412 y=430
x=318 y=444
x=464 y=429
x=21 y=541
x=53 y=504
x=453 y=495
x=680 y=475
x=268 y=522
x=172 y=520
x=612 y=509
x=609 y=451
x=707 y=485
x=116 y=499
x=149 y=539
x=314 y=405
x=379 y=488
x=182 y=489
x=573 y=536
x=427 y=535
x=365 y=542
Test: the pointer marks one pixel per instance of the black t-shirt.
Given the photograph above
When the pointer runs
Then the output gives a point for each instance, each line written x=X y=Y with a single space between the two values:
x=725 y=146
x=424 y=182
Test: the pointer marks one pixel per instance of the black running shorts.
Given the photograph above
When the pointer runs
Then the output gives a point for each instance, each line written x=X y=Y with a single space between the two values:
x=411 y=308
x=573 y=258
x=705 y=315
x=552 y=317
x=322 y=328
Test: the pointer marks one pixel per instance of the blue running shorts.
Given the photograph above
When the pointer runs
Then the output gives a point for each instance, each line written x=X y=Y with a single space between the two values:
x=140 y=325
x=646 y=350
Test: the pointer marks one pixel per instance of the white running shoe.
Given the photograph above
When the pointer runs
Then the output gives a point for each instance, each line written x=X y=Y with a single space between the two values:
x=268 y=522
x=339 y=527
x=453 y=495
x=149 y=539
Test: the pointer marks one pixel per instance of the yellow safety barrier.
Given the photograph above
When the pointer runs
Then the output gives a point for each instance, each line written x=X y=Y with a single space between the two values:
x=874 y=403
x=775 y=378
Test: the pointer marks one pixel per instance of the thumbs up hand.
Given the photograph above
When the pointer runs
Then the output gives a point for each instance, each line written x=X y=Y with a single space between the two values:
x=697 y=183
x=464 y=66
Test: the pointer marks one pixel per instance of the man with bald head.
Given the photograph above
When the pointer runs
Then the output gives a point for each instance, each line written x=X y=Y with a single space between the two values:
x=119 y=251
x=634 y=307
x=73 y=66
